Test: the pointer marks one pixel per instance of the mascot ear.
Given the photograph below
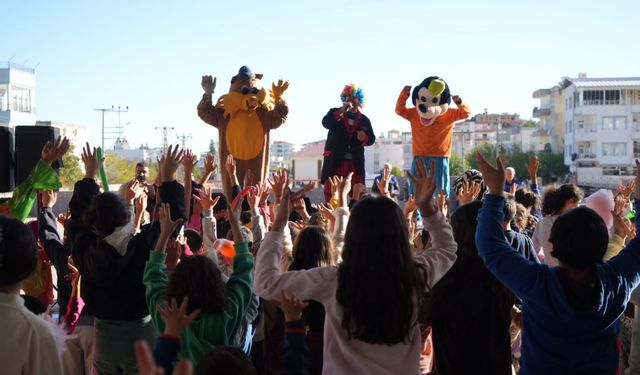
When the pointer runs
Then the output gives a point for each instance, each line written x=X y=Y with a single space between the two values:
x=259 y=76
x=414 y=94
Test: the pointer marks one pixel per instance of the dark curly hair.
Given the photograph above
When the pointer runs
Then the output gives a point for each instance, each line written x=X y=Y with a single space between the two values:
x=312 y=248
x=555 y=199
x=106 y=212
x=379 y=284
x=527 y=198
x=198 y=278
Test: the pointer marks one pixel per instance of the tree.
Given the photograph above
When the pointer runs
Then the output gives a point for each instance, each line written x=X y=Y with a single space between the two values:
x=530 y=124
x=487 y=150
x=72 y=170
x=551 y=165
x=119 y=170
x=456 y=167
x=397 y=171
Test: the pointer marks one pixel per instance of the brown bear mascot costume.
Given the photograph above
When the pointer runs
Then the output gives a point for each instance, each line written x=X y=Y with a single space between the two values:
x=244 y=117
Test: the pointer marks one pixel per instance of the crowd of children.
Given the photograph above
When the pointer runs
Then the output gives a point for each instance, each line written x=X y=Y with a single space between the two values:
x=172 y=277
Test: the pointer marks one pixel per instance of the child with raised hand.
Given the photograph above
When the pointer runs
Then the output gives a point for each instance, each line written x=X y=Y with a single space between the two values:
x=28 y=345
x=112 y=270
x=371 y=299
x=570 y=313
x=222 y=307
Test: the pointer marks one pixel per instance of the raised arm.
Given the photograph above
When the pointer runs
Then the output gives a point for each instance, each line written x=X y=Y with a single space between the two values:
x=514 y=271
x=272 y=119
x=269 y=281
x=401 y=103
x=442 y=254
x=333 y=117
x=206 y=110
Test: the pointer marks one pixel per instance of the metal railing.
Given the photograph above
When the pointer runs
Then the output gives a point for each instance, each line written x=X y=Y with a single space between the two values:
x=12 y=65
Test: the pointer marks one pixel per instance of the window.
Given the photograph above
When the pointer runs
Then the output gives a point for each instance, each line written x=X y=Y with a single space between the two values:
x=614 y=149
x=593 y=97
x=612 y=97
x=20 y=99
x=614 y=123
x=636 y=149
x=3 y=98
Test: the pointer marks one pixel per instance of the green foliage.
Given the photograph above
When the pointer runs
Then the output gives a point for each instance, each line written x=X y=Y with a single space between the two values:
x=119 y=170
x=550 y=164
x=530 y=124
x=72 y=170
x=456 y=166
x=397 y=171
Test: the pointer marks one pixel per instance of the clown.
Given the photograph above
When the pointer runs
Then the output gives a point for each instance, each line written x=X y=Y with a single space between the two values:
x=432 y=124
x=244 y=117
x=349 y=132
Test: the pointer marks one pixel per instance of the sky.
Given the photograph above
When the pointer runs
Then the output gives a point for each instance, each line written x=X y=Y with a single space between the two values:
x=150 y=55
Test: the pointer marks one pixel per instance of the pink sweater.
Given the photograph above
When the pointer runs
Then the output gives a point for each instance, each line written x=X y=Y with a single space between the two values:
x=319 y=284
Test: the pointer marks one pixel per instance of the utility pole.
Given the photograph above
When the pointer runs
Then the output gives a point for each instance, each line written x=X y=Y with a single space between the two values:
x=165 y=138
x=118 y=110
x=183 y=138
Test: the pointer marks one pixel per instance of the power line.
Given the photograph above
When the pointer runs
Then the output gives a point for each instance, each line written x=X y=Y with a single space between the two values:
x=182 y=138
x=165 y=133
x=118 y=128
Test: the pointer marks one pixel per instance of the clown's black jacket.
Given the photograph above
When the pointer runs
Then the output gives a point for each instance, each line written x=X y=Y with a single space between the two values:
x=111 y=283
x=338 y=144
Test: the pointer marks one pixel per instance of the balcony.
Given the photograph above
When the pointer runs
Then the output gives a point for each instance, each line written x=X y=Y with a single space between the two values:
x=540 y=112
x=586 y=134
x=587 y=155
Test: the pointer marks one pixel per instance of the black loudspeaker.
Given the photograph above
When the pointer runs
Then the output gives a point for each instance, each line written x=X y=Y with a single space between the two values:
x=29 y=143
x=6 y=160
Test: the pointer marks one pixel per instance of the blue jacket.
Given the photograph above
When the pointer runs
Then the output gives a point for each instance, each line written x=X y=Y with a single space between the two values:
x=557 y=339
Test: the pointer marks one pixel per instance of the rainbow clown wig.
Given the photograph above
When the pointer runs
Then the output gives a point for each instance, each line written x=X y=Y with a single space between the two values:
x=352 y=92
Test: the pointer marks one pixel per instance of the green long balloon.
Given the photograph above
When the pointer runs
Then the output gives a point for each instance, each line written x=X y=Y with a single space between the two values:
x=103 y=172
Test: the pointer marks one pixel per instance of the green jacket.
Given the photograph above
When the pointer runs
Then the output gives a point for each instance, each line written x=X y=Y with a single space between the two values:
x=209 y=330
x=41 y=177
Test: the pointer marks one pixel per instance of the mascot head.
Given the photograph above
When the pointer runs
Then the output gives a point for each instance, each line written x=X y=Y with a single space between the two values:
x=245 y=93
x=353 y=95
x=431 y=98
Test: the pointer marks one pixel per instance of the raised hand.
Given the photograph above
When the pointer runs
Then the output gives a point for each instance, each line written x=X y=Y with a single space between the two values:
x=54 y=151
x=204 y=197
x=626 y=189
x=442 y=203
x=277 y=90
x=406 y=91
x=292 y=307
x=230 y=165
x=278 y=183
x=132 y=191
x=208 y=84
x=622 y=226
x=265 y=191
x=175 y=317
x=74 y=277
x=90 y=160
x=456 y=99
x=284 y=209
x=424 y=184
x=357 y=191
x=362 y=136
x=327 y=212
x=189 y=161
x=209 y=164
x=49 y=198
x=167 y=226
x=253 y=198
x=469 y=192
x=169 y=163
x=383 y=183
x=532 y=167
x=410 y=207
x=494 y=176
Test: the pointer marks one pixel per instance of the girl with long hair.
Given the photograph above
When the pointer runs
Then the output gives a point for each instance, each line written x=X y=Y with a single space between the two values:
x=372 y=298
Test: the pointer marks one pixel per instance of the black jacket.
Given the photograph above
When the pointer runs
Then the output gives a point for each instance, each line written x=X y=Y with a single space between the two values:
x=111 y=283
x=338 y=144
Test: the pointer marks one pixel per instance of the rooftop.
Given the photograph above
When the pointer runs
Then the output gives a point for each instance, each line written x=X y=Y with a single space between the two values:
x=12 y=65
x=603 y=82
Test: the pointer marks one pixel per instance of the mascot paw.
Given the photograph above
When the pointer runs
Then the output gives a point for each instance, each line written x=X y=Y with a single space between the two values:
x=278 y=89
x=456 y=99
